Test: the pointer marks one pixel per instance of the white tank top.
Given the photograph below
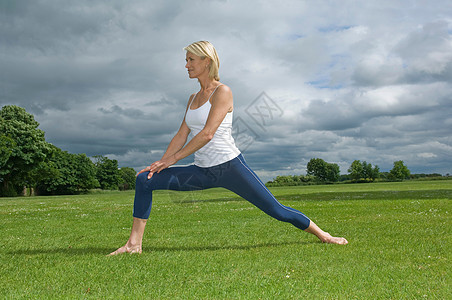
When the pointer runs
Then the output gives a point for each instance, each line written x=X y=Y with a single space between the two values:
x=221 y=147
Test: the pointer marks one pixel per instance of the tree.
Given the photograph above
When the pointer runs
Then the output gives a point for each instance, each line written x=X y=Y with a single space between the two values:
x=22 y=149
x=399 y=172
x=86 y=172
x=316 y=167
x=333 y=172
x=322 y=170
x=107 y=172
x=362 y=170
x=6 y=149
x=128 y=177
x=375 y=173
x=65 y=173
x=356 y=170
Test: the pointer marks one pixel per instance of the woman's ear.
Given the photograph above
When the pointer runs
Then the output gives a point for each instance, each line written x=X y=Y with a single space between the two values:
x=207 y=61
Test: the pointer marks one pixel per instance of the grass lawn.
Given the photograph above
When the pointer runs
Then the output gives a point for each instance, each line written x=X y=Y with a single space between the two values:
x=214 y=245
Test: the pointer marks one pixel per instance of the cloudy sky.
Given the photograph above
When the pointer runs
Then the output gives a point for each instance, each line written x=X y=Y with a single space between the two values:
x=337 y=80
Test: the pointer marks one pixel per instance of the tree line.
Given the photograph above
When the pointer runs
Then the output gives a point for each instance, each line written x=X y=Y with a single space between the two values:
x=28 y=162
x=321 y=172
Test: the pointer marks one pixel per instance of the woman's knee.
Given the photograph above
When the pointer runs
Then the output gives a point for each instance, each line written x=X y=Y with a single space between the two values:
x=141 y=179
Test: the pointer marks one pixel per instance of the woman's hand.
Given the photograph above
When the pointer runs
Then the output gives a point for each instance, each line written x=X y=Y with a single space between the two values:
x=159 y=165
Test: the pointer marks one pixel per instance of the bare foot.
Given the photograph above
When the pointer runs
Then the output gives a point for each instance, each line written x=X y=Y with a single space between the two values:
x=329 y=239
x=126 y=249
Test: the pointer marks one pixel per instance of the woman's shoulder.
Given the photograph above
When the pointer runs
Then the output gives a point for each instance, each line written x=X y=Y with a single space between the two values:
x=222 y=96
x=223 y=89
x=192 y=96
x=190 y=99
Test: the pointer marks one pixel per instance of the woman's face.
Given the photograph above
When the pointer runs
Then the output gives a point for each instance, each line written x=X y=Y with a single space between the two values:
x=195 y=65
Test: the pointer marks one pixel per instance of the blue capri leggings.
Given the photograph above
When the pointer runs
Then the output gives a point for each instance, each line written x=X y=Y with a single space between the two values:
x=234 y=175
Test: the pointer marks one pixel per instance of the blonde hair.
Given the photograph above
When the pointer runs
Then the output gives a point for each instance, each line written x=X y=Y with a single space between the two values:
x=205 y=49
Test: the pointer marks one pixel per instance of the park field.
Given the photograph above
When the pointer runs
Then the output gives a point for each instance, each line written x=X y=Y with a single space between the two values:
x=214 y=245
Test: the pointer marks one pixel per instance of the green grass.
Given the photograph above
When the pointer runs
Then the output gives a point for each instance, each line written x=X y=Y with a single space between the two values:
x=214 y=245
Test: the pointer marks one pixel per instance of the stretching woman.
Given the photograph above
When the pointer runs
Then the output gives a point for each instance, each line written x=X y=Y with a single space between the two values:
x=218 y=162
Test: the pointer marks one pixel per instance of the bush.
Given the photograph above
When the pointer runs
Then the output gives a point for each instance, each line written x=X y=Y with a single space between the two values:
x=292 y=180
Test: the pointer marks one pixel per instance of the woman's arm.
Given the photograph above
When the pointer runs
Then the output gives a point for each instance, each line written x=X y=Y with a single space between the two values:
x=177 y=142
x=221 y=105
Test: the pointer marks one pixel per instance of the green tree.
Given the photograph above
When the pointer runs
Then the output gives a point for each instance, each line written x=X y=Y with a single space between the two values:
x=65 y=173
x=86 y=173
x=375 y=174
x=316 y=167
x=322 y=170
x=333 y=172
x=6 y=149
x=362 y=170
x=22 y=149
x=107 y=172
x=356 y=170
x=399 y=171
x=128 y=177
x=367 y=170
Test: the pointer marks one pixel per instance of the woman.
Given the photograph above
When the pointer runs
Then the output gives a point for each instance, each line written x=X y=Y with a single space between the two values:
x=218 y=162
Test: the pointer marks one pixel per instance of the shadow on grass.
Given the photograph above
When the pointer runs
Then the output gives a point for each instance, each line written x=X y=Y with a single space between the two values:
x=226 y=247
x=105 y=251
x=66 y=251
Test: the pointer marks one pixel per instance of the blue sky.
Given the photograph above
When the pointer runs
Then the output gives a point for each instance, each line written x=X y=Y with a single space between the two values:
x=346 y=80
